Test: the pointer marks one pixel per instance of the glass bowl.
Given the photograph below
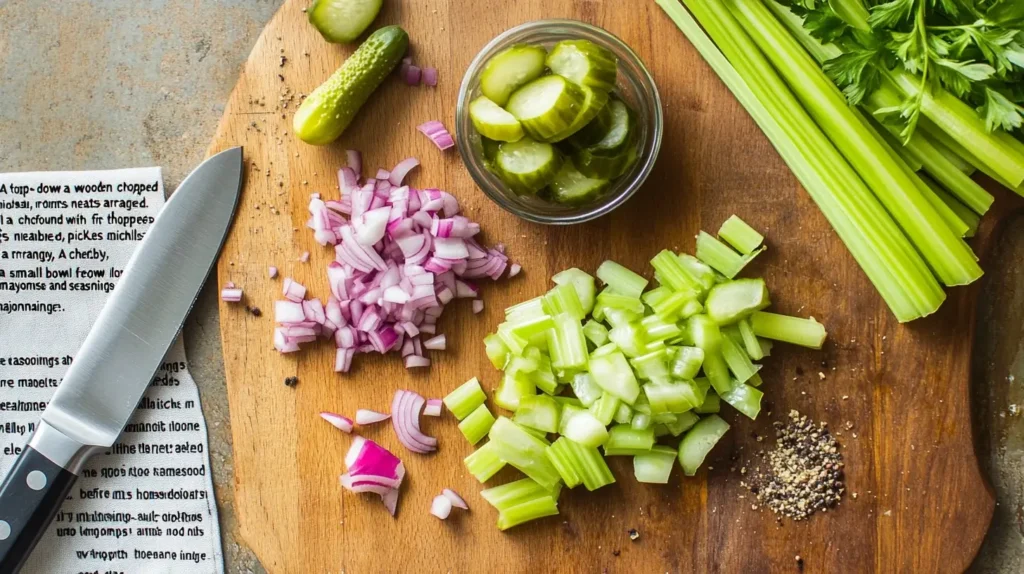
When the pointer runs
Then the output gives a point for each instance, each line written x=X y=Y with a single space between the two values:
x=634 y=86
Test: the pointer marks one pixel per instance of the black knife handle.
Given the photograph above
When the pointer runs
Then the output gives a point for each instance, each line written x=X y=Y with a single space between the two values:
x=30 y=496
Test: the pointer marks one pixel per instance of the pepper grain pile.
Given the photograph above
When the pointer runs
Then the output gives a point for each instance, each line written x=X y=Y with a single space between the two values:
x=802 y=473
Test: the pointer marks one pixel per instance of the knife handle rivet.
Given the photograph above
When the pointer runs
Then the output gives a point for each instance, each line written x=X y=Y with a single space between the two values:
x=36 y=480
x=5 y=530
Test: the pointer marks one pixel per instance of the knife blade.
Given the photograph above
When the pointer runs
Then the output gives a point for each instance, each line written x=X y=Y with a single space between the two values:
x=122 y=352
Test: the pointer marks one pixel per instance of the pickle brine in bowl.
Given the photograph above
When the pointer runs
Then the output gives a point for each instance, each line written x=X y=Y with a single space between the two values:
x=558 y=121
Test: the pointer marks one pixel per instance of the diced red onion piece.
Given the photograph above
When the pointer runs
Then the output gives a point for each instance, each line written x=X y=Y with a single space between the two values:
x=231 y=295
x=416 y=362
x=430 y=76
x=441 y=506
x=433 y=408
x=343 y=360
x=272 y=272
x=437 y=343
x=288 y=312
x=304 y=257
x=437 y=133
x=401 y=170
x=371 y=225
x=368 y=417
x=354 y=450
x=478 y=305
x=341 y=422
x=455 y=499
x=355 y=161
x=405 y=411
x=514 y=270
x=411 y=75
x=293 y=290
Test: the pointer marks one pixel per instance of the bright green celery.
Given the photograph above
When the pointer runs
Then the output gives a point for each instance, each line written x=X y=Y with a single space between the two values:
x=660 y=430
x=717 y=371
x=795 y=330
x=476 y=426
x=514 y=493
x=465 y=399
x=613 y=374
x=652 y=365
x=699 y=441
x=621 y=280
x=655 y=296
x=655 y=467
x=683 y=423
x=542 y=376
x=687 y=362
x=624 y=440
x=766 y=345
x=571 y=401
x=658 y=329
x=705 y=276
x=755 y=380
x=511 y=389
x=640 y=421
x=603 y=350
x=874 y=240
x=953 y=146
x=583 y=283
x=965 y=213
x=740 y=235
x=673 y=306
x=721 y=257
x=527 y=511
x=732 y=301
x=623 y=414
x=604 y=408
x=523 y=451
x=529 y=309
x=674 y=398
x=585 y=389
x=946 y=253
x=690 y=309
x=529 y=328
x=739 y=363
x=619 y=317
x=674 y=274
x=581 y=426
x=595 y=332
x=712 y=404
x=539 y=412
x=525 y=364
x=572 y=344
x=514 y=343
x=629 y=338
x=562 y=459
x=750 y=342
x=483 y=463
x=564 y=299
x=744 y=398
x=608 y=299
x=589 y=463
x=496 y=351
x=704 y=333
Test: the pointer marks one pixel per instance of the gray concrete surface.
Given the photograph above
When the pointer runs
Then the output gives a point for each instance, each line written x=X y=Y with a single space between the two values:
x=120 y=83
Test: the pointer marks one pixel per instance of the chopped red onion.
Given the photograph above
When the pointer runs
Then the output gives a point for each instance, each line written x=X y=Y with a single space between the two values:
x=456 y=500
x=430 y=76
x=355 y=161
x=304 y=257
x=441 y=506
x=231 y=295
x=401 y=170
x=405 y=411
x=437 y=343
x=341 y=422
x=433 y=408
x=514 y=270
x=437 y=133
x=478 y=305
x=293 y=290
x=272 y=272
x=372 y=468
x=416 y=362
x=368 y=417
x=411 y=75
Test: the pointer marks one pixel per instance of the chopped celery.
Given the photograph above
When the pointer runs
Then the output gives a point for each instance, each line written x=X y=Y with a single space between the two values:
x=626 y=440
x=612 y=373
x=523 y=451
x=738 y=361
x=687 y=362
x=690 y=309
x=571 y=401
x=712 y=404
x=699 y=441
x=655 y=467
x=563 y=299
x=611 y=300
x=682 y=423
x=735 y=300
x=670 y=397
x=755 y=380
x=543 y=376
x=561 y=458
x=589 y=463
x=640 y=421
x=514 y=343
x=795 y=330
x=721 y=257
x=743 y=237
x=674 y=274
x=658 y=329
x=629 y=337
x=525 y=364
x=465 y=399
x=652 y=365
x=750 y=342
x=529 y=309
x=580 y=426
x=585 y=389
x=717 y=371
x=621 y=279
x=619 y=317
x=705 y=333
x=604 y=350
x=595 y=332
x=483 y=463
x=582 y=282
x=511 y=389
x=660 y=430
x=508 y=495
x=496 y=351
x=527 y=511
x=529 y=328
x=745 y=398
x=671 y=306
x=656 y=295
x=623 y=414
x=705 y=275
x=766 y=345
x=477 y=424
x=539 y=412
x=605 y=407
x=572 y=345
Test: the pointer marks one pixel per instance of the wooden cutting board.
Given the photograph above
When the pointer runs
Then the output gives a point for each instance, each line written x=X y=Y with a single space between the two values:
x=897 y=396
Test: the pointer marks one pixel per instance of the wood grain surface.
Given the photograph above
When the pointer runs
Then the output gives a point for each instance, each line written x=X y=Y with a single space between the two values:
x=896 y=396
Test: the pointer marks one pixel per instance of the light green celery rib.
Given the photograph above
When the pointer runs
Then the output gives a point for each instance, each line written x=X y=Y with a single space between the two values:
x=965 y=214
x=874 y=240
x=946 y=253
x=961 y=163
x=921 y=149
x=950 y=143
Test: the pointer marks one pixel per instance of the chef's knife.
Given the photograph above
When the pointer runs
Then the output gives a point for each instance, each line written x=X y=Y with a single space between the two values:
x=122 y=352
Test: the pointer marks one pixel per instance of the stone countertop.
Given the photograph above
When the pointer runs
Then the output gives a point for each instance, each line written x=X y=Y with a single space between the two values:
x=123 y=83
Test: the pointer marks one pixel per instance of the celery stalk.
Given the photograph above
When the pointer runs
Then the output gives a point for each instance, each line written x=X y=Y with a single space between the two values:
x=605 y=407
x=621 y=279
x=623 y=440
x=750 y=342
x=739 y=363
x=654 y=467
x=704 y=275
x=947 y=254
x=640 y=421
x=623 y=414
x=590 y=464
x=874 y=240
x=949 y=143
x=477 y=424
x=683 y=423
x=721 y=257
x=564 y=299
x=712 y=404
x=968 y=216
x=484 y=463
x=465 y=399
x=563 y=461
x=746 y=399
x=595 y=332
x=527 y=511
x=585 y=389
x=796 y=330
x=582 y=282
x=496 y=351
x=524 y=451
x=674 y=274
x=652 y=365
x=572 y=344
x=740 y=235
x=516 y=492
x=539 y=412
x=511 y=389
x=582 y=427
x=732 y=301
x=613 y=374
x=687 y=362
x=699 y=441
